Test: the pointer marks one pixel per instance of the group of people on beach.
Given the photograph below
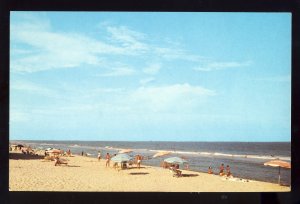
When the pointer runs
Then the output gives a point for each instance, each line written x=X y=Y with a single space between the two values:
x=221 y=170
x=138 y=159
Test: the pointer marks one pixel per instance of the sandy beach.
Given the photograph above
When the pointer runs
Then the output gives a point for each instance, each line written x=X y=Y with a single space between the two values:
x=33 y=173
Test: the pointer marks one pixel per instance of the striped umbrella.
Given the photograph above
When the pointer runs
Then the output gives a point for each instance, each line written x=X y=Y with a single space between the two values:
x=278 y=163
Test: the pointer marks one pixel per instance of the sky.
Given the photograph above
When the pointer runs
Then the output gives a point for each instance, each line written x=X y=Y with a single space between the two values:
x=150 y=76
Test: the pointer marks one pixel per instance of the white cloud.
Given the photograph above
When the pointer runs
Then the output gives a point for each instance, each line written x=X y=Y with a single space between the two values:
x=145 y=81
x=52 y=50
x=49 y=49
x=120 y=71
x=33 y=88
x=173 y=97
x=212 y=66
x=152 y=69
x=286 y=78
x=128 y=38
x=176 y=53
x=102 y=103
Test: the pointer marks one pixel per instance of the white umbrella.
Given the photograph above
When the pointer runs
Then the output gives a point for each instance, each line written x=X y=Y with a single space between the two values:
x=49 y=148
x=121 y=158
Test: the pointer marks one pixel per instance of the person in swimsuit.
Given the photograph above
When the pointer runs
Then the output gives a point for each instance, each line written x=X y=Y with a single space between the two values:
x=228 y=173
x=139 y=159
x=99 y=156
x=210 y=170
x=221 y=170
x=107 y=159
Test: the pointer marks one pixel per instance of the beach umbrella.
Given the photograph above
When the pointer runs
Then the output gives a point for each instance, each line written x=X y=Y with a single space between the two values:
x=125 y=151
x=159 y=154
x=49 y=148
x=54 y=151
x=175 y=160
x=121 y=158
x=278 y=163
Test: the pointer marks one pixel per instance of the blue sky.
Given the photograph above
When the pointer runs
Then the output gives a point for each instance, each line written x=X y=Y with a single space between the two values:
x=150 y=76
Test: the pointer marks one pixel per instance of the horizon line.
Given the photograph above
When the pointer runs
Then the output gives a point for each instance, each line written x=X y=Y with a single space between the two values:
x=138 y=140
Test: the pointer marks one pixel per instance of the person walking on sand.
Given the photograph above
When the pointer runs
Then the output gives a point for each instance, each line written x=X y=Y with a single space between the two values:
x=107 y=160
x=99 y=156
x=221 y=170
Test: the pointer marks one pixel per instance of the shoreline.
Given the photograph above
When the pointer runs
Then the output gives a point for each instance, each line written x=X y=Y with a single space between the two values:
x=244 y=162
x=33 y=173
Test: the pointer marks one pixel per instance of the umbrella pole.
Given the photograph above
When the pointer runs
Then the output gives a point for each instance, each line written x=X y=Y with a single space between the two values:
x=279 y=176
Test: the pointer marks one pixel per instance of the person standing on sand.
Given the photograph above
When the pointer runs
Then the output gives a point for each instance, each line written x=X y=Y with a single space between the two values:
x=107 y=160
x=99 y=156
x=139 y=159
x=221 y=170
x=228 y=173
x=69 y=152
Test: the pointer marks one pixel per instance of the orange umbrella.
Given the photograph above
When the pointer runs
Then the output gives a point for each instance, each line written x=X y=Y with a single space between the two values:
x=159 y=154
x=278 y=163
x=125 y=151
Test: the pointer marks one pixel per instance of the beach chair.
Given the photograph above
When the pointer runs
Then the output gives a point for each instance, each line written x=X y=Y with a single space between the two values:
x=176 y=172
x=59 y=161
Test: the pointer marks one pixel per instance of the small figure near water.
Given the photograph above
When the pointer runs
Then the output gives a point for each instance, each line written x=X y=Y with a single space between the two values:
x=107 y=157
x=138 y=160
x=228 y=172
x=187 y=167
x=69 y=153
x=99 y=156
x=210 y=171
x=165 y=165
x=222 y=170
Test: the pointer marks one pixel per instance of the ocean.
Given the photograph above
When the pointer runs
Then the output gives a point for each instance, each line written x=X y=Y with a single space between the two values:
x=246 y=159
